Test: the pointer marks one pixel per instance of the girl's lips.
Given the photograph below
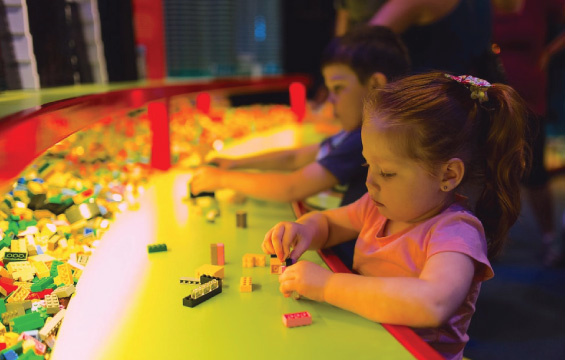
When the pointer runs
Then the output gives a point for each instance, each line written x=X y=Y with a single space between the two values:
x=377 y=203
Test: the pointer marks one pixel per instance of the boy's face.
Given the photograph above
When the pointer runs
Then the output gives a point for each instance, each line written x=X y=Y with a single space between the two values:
x=346 y=94
x=400 y=187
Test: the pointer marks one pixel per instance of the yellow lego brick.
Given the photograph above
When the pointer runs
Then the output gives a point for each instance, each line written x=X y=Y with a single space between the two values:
x=276 y=266
x=42 y=214
x=251 y=260
x=35 y=187
x=53 y=242
x=248 y=261
x=213 y=270
x=260 y=259
x=31 y=249
x=10 y=314
x=5 y=273
x=245 y=284
x=24 y=275
x=83 y=259
x=65 y=274
x=28 y=345
x=2 y=329
x=19 y=245
x=4 y=251
x=77 y=274
x=11 y=338
x=41 y=269
x=18 y=295
x=52 y=304
x=48 y=230
x=46 y=258
x=23 y=284
x=19 y=266
x=19 y=208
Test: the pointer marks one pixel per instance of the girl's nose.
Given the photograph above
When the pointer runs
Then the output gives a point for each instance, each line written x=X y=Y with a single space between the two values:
x=372 y=184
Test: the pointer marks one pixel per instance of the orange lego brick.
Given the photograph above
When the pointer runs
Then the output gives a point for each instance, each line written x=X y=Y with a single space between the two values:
x=220 y=253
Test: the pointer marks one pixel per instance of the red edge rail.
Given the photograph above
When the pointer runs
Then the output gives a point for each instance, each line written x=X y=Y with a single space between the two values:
x=405 y=336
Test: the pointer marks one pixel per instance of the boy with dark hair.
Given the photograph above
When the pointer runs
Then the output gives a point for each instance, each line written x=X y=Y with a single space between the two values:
x=352 y=65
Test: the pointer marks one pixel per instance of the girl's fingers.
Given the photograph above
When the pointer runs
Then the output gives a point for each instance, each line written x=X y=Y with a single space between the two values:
x=267 y=244
x=276 y=239
x=299 y=249
x=288 y=240
x=287 y=287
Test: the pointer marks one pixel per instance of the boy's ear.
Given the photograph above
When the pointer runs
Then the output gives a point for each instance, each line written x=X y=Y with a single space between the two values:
x=452 y=174
x=377 y=80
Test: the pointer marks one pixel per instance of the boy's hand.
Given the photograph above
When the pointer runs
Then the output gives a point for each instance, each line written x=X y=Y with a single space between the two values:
x=284 y=236
x=222 y=163
x=306 y=278
x=206 y=178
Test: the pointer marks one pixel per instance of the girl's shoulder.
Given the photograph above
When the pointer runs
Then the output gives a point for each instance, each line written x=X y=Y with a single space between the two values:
x=456 y=219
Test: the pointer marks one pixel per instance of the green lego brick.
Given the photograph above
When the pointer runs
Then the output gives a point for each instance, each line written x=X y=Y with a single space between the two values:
x=2 y=306
x=42 y=284
x=27 y=322
x=6 y=241
x=53 y=272
x=156 y=248
x=30 y=355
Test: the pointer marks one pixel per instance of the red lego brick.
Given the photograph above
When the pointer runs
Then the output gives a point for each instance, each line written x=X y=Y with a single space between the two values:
x=297 y=319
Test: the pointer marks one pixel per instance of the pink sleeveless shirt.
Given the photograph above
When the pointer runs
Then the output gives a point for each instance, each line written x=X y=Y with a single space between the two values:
x=404 y=255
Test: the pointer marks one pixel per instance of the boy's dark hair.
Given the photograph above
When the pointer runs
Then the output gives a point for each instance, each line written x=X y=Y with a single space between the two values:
x=369 y=49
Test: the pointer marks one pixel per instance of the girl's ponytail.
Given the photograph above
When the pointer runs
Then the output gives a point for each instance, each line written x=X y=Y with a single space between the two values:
x=507 y=155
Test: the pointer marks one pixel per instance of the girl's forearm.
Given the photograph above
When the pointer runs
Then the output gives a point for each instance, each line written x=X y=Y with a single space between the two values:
x=405 y=301
x=318 y=224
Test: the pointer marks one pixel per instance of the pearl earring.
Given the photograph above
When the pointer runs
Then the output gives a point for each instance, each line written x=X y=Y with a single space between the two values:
x=445 y=187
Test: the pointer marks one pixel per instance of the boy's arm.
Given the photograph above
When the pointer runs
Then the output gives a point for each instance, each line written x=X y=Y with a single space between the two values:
x=289 y=159
x=285 y=187
x=341 y=22
x=427 y=301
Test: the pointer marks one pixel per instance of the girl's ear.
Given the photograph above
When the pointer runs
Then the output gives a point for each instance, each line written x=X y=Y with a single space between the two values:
x=377 y=80
x=452 y=174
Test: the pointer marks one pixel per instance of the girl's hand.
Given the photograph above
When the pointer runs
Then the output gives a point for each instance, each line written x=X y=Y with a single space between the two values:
x=306 y=278
x=284 y=236
x=206 y=178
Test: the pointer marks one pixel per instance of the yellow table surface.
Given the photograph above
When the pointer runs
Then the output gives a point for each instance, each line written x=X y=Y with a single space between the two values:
x=128 y=303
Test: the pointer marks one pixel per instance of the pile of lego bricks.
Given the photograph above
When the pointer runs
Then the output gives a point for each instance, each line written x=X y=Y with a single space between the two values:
x=56 y=213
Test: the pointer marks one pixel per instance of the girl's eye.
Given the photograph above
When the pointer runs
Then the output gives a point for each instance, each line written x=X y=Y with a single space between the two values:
x=387 y=175
x=336 y=89
x=365 y=164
